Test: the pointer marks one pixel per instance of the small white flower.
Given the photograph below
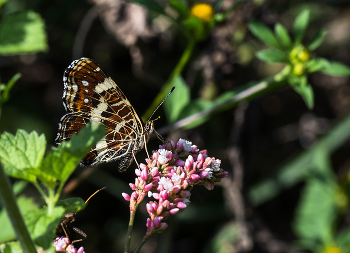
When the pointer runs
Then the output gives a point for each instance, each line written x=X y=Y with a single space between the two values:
x=210 y=173
x=167 y=184
x=215 y=165
x=186 y=201
x=163 y=156
x=176 y=179
x=187 y=145
x=150 y=194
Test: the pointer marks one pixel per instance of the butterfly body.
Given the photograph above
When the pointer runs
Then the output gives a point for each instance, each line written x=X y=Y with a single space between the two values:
x=90 y=95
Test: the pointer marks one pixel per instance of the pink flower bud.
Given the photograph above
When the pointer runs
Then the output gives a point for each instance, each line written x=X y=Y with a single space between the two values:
x=132 y=186
x=200 y=158
x=156 y=195
x=80 y=250
x=179 y=162
x=61 y=243
x=137 y=172
x=134 y=195
x=143 y=166
x=149 y=208
x=154 y=171
x=203 y=174
x=194 y=177
x=156 y=222
x=149 y=223
x=148 y=187
x=185 y=184
x=155 y=156
x=144 y=175
x=185 y=194
x=176 y=189
x=160 y=209
x=174 y=210
x=181 y=205
x=71 y=249
x=164 y=194
x=209 y=185
x=166 y=204
x=125 y=196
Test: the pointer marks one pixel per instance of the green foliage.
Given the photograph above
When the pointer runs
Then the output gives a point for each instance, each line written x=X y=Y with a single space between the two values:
x=178 y=100
x=336 y=69
x=283 y=36
x=317 y=39
x=181 y=7
x=6 y=88
x=264 y=34
x=300 y=25
x=272 y=55
x=22 y=33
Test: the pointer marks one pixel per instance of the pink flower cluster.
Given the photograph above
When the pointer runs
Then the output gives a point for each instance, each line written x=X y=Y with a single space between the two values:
x=63 y=244
x=169 y=177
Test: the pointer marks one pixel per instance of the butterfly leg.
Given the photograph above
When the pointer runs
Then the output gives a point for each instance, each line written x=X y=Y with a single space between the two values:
x=159 y=136
x=64 y=230
x=133 y=154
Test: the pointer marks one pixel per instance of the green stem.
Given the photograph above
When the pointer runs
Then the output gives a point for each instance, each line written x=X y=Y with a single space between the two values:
x=129 y=233
x=8 y=200
x=166 y=88
x=144 y=240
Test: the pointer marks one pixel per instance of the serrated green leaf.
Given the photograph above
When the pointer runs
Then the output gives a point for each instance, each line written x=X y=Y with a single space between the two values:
x=180 y=6
x=72 y=205
x=194 y=107
x=272 y=55
x=315 y=214
x=21 y=153
x=283 y=36
x=316 y=64
x=178 y=99
x=300 y=25
x=22 y=33
x=317 y=39
x=264 y=33
x=336 y=69
x=60 y=162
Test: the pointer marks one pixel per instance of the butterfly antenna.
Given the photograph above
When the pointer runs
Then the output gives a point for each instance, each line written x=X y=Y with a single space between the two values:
x=171 y=91
x=94 y=194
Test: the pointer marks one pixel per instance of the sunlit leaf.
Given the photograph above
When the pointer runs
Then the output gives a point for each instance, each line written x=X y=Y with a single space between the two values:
x=300 y=25
x=264 y=33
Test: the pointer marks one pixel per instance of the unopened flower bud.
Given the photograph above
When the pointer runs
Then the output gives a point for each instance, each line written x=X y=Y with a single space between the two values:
x=125 y=196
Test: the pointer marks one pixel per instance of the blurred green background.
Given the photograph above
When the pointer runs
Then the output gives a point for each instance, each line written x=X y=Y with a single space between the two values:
x=288 y=186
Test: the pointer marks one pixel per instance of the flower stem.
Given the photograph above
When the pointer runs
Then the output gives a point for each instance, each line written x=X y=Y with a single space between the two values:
x=129 y=233
x=177 y=70
x=144 y=240
x=8 y=200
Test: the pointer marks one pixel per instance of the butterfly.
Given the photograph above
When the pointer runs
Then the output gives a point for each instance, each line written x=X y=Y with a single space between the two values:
x=90 y=95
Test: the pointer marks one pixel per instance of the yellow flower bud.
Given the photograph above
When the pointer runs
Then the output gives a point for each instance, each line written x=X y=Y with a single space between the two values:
x=333 y=249
x=202 y=11
x=298 y=69
x=304 y=55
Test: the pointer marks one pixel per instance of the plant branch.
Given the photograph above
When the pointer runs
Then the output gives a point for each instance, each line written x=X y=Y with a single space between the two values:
x=8 y=200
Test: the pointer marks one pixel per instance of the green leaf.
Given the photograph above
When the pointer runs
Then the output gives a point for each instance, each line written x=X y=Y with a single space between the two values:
x=336 y=69
x=317 y=39
x=272 y=55
x=195 y=26
x=22 y=33
x=11 y=247
x=177 y=100
x=60 y=162
x=315 y=215
x=21 y=153
x=42 y=226
x=2 y=2
x=180 y=6
x=194 y=107
x=282 y=35
x=72 y=205
x=300 y=25
x=305 y=90
x=264 y=33
x=316 y=64
x=6 y=232
x=4 y=96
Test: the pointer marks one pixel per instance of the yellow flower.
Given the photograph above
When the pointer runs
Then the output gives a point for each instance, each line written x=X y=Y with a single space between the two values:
x=298 y=69
x=333 y=249
x=202 y=11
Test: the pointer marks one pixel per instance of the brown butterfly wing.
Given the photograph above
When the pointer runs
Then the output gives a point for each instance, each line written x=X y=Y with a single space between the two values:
x=90 y=95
